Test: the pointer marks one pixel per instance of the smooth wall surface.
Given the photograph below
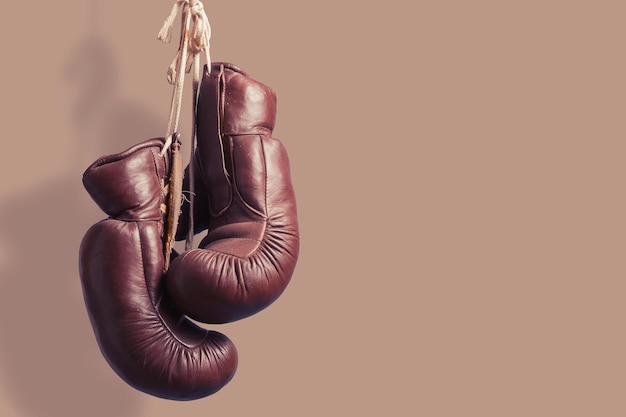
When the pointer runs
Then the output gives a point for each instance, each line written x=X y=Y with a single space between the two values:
x=460 y=175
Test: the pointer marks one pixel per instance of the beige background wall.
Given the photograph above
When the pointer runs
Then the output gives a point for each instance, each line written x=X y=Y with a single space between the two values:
x=460 y=178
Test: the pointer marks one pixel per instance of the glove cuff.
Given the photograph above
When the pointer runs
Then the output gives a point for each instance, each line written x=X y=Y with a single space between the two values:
x=130 y=185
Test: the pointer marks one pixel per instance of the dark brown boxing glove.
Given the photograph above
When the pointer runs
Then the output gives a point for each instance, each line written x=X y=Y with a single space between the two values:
x=146 y=340
x=244 y=197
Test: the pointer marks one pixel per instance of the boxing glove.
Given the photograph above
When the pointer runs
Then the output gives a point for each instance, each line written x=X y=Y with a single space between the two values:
x=145 y=339
x=245 y=199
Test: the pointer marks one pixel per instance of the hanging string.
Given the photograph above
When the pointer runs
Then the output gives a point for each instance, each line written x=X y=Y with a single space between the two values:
x=165 y=34
x=195 y=39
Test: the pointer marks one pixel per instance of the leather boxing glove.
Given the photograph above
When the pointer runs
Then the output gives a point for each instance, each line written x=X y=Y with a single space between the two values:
x=244 y=197
x=151 y=345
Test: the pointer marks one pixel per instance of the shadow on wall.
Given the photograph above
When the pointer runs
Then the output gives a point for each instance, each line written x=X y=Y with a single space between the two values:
x=48 y=354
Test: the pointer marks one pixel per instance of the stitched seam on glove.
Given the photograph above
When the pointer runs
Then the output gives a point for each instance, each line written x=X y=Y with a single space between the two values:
x=236 y=186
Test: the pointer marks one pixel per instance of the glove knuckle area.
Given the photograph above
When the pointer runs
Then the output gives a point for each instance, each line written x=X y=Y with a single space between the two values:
x=150 y=345
x=214 y=285
x=159 y=363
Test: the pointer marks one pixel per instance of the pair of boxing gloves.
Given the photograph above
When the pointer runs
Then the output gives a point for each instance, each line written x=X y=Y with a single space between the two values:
x=244 y=198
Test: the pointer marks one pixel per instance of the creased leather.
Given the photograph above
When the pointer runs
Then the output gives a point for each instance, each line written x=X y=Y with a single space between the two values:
x=146 y=340
x=244 y=198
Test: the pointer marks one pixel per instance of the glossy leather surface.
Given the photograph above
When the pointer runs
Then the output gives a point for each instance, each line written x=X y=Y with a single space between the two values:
x=245 y=205
x=145 y=339
x=244 y=198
